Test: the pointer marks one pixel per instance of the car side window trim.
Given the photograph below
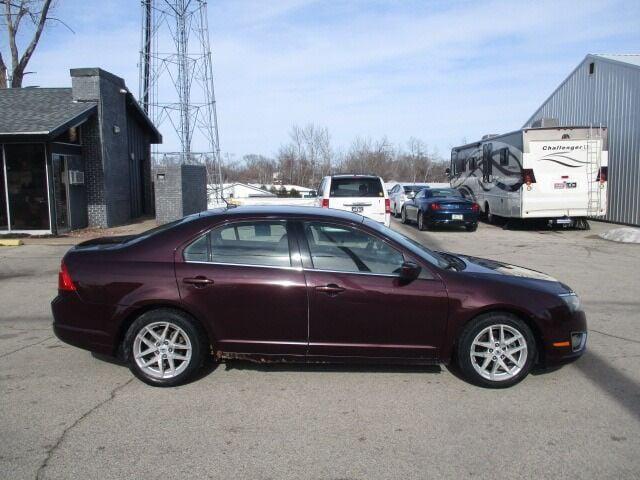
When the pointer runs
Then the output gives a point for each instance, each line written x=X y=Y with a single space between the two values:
x=222 y=264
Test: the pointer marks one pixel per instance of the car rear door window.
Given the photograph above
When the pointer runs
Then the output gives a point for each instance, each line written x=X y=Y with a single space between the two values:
x=346 y=249
x=356 y=187
x=260 y=243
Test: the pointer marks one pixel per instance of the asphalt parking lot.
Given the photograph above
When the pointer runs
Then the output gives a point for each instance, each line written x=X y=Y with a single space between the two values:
x=66 y=414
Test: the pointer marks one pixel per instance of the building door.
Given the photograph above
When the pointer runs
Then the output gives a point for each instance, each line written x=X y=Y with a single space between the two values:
x=61 y=192
x=26 y=184
x=4 y=214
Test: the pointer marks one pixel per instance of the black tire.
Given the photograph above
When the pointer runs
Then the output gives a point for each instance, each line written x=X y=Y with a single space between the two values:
x=403 y=216
x=465 y=342
x=471 y=228
x=422 y=224
x=488 y=216
x=196 y=336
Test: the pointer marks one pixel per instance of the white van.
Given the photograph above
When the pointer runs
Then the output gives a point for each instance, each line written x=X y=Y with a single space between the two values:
x=362 y=194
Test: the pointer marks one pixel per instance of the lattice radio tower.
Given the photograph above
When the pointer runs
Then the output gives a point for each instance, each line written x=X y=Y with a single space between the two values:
x=176 y=83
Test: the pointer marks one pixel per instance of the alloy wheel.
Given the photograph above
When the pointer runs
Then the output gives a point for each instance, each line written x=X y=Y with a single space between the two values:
x=162 y=350
x=499 y=352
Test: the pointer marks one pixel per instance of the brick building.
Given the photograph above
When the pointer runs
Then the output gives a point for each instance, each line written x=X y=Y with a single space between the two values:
x=74 y=157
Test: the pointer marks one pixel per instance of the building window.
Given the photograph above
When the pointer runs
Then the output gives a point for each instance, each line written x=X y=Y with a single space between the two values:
x=592 y=68
x=504 y=157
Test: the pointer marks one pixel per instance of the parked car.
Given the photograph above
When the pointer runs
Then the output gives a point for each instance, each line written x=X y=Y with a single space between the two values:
x=402 y=192
x=441 y=206
x=363 y=194
x=304 y=284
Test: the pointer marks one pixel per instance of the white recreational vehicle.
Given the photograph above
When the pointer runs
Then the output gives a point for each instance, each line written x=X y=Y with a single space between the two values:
x=558 y=174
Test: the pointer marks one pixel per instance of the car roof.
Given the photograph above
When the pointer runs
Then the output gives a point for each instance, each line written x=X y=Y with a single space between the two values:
x=349 y=175
x=283 y=211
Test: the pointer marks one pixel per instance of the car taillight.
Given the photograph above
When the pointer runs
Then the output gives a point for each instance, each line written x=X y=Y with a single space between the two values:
x=602 y=174
x=527 y=176
x=475 y=207
x=65 y=283
x=325 y=203
x=436 y=206
x=387 y=205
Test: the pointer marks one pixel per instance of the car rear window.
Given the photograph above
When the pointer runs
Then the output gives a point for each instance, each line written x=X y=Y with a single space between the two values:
x=412 y=188
x=356 y=187
x=444 y=192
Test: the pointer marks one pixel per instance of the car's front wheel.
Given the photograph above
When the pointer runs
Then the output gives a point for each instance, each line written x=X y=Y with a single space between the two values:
x=164 y=347
x=403 y=216
x=496 y=350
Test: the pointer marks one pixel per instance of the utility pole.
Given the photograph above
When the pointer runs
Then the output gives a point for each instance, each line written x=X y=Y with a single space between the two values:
x=176 y=83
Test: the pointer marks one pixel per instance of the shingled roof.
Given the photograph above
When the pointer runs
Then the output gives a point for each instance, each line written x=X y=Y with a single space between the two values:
x=40 y=111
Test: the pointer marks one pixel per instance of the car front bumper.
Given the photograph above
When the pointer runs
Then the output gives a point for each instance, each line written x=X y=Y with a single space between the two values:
x=558 y=346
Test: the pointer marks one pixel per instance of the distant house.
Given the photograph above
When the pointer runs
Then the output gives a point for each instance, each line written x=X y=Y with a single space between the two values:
x=74 y=157
x=243 y=190
x=303 y=191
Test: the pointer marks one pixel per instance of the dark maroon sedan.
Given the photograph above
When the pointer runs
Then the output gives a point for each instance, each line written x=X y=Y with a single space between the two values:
x=307 y=285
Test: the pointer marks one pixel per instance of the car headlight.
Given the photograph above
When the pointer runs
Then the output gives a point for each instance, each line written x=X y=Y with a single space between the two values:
x=572 y=300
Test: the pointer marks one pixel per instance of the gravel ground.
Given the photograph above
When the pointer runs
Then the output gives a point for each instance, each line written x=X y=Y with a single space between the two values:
x=67 y=414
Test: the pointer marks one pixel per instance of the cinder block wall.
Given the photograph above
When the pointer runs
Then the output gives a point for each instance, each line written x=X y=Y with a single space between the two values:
x=194 y=189
x=179 y=191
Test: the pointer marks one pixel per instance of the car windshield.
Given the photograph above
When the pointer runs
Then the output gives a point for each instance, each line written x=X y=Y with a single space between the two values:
x=444 y=192
x=413 y=188
x=356 y=187
x=415 y=247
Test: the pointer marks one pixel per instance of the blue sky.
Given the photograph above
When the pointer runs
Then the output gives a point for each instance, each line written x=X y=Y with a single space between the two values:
x=444 y=72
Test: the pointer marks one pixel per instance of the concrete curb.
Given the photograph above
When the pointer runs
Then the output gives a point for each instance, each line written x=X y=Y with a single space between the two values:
x=10 y=242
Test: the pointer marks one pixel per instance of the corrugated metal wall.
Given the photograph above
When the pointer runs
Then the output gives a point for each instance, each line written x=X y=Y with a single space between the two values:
x=609 y=97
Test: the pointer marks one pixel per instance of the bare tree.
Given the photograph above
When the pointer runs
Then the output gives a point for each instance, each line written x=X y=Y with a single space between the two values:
x=307 y=157
x=15 y=12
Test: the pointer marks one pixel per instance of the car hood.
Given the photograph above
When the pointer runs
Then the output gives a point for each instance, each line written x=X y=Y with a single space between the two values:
x=512 y=274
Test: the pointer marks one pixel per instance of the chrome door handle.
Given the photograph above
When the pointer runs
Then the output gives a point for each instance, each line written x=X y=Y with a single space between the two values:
x=331 y=289
x=198 y=282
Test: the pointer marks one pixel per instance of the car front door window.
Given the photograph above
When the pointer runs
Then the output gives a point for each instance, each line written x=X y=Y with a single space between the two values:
x=346 y=249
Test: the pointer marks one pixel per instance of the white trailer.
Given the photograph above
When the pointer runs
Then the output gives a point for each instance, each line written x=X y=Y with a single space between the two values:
x=558 y=174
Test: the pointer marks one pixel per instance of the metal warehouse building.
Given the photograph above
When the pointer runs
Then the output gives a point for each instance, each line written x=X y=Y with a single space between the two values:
x=604 y=90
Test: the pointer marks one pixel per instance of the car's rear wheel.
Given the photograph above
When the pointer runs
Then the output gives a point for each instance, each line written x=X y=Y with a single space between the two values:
x=496 y=350
x=471 y=228
x=422 y=222
x=164 y=347
x=403 y=216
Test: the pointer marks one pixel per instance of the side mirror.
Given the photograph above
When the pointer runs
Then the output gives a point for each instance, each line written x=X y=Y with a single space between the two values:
x=411 y=195
x=409 y=271
x=447 y=171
